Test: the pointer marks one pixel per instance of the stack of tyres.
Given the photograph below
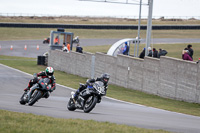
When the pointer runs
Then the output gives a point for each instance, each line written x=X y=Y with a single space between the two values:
x=41 y=60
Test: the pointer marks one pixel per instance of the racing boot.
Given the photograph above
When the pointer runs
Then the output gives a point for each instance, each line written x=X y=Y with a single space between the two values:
x=76 y=95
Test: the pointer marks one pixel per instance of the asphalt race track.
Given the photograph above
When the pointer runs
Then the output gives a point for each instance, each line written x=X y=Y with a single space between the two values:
x=32 y=51
x=14 y=81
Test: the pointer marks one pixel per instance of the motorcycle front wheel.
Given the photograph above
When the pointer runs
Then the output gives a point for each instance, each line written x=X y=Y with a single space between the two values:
x=90 y=104
x=21 y=101
x=34 y=97
x=71 y=105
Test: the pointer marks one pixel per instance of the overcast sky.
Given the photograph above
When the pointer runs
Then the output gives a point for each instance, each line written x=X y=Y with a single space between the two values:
x=168 y=8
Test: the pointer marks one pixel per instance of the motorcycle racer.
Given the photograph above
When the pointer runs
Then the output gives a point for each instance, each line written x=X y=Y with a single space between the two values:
x=104 y=78
x=48 y=73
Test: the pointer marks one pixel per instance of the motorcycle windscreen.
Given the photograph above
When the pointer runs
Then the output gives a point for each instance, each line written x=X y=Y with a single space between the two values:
x=99 y=86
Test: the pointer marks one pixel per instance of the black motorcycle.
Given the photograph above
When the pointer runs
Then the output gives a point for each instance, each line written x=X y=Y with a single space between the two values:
x=46 y=40
x=87 y=98
x=37 y=91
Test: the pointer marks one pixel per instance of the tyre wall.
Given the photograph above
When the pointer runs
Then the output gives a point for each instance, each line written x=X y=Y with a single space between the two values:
x=92 y=26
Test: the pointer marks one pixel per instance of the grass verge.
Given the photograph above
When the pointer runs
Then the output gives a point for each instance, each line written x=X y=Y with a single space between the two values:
x=13 y=122
x=114 y=91
x=95 y=20
x=39 y=33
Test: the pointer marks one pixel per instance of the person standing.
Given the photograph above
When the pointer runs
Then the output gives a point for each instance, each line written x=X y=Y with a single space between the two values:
x=126 y=49
x=142 y=54
x=155 y=53
x=150 y=52
x=56 y=40
x=190 y=50
x=68 y=46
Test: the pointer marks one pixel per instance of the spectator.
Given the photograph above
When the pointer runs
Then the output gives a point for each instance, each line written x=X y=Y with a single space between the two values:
x=155 y=53
x=56 y=40
x=190 y=50
x=186 y=56
x=183 y=52
x=126 y=49
x=64 y=48
x=142 y=54
x=150 y=52
x=162 y=52
x=68 y=46
x=79 y=49
x=64 y=44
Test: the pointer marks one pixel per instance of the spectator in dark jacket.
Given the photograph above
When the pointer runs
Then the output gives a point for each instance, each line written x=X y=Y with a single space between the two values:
x=190 y=50
x=79 y=49
x=150 y=52
x=142 y=54
x=155 y=53
x=186 y=56
x=162 y=52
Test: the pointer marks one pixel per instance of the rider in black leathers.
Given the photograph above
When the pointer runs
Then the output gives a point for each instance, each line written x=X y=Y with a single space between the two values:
x=104 y=78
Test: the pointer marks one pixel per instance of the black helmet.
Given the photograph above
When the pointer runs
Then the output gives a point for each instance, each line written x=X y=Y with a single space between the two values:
x=105 y=77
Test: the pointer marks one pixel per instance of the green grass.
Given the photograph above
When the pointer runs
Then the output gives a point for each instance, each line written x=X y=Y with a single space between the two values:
x=92 y=20
x=114 y=91
x=39 y=33
x=13 y=122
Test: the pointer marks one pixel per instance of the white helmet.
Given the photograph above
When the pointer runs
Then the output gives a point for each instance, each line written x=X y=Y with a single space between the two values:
x=49 y=71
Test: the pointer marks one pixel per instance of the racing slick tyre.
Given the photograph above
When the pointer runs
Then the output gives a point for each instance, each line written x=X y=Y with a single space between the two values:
x=71 y=105
x=34 y=97
x=90 y=104
x=21 y=101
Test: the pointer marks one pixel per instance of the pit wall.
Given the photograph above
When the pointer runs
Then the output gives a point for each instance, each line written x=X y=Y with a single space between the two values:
x=166 y=77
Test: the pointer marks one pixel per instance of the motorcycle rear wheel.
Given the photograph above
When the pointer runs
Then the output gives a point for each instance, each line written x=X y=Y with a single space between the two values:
x=71 y=105
x=90 y=104
x=34 y=99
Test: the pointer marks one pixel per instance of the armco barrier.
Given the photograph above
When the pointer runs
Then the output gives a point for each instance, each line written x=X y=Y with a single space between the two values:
x=166 y=77
x=84 y=26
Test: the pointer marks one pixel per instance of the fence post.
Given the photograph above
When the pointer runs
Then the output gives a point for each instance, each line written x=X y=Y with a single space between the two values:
x=92 y=66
